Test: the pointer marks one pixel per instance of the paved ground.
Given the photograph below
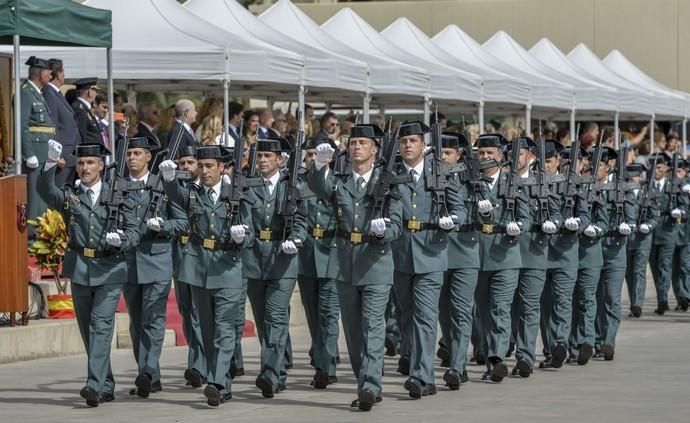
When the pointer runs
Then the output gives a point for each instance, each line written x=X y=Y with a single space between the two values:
x=648 y=381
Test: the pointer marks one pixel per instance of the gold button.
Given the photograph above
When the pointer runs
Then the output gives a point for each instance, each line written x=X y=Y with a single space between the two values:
x=139 y=206
x=320 y=202
x=414 y=206
x=383 y=251
x=318 y=213
x=91 y=214
x=213 y=214
x=356 y=204
x=212 y=225
x=268 y=206
x=414 y=194
x=356 y=216
x=472 y=238
x=90 y=239
x=414 y=218
x=318 y=226
x=92 y=227
x=213 y=237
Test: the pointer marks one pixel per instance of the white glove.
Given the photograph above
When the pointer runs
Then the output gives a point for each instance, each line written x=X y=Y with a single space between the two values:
x=324 y=154
x=624 y=229
x=167 y=170
x=513 y=229
x=154 y=224
x=645 y=228
x=238 y=232
x=590 y=231
x=686 y=188
x=446 y=223
x=285 y=157
x=288 y=246
x=32 y=162
x=378 y=226
x=485 y=206
x=54 y=150
x=675 y=213
x=548 y=227
x=113 y=238
x=226 y=179
x=572 y=224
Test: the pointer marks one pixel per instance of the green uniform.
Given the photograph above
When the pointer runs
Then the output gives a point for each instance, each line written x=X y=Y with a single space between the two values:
x=680 y=275
x=97 y=271
x=638 y=249
x=365 y=271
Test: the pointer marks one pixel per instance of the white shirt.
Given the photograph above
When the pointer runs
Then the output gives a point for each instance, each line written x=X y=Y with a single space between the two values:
x=216 y=190
x=366 y=176
x=419 y=169
x=85 y=102
x=54 y=87
x=96 y=188
x=34 y=85
x=144 y=178
x=272 y=182
x=494 y=179
x=660 y=184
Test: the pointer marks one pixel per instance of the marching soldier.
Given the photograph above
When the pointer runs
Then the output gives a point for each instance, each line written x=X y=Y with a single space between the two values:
x=420 y=258
x=37 y=128
x=94 y=260
x=317 y=272
x=501 y=214
x=364 y=234
x=212 y=262
x=196 y=360
x=271 y=266
x=149 y=269
x=680 y=276
x=89 y=128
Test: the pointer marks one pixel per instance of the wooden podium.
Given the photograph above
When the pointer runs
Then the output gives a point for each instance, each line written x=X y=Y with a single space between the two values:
x=14 y=278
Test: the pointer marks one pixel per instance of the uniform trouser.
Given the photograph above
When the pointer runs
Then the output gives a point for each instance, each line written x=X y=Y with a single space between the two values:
x=609 y=305
x=190 y=327
x=636 y=273
x=681 y=272
x=455 y=314
x=36 y=205
x=95 y=308
x=477 y=337
x=147 y=305
x=270 y=300
x=494 y=296
x=661 y=261
x=418 y=295
x=363 y=310
x=321 y=306
x=557 y=307
x=392 y=328
x=218 y=309
x=584 y=309
x=525 y=313
x=237 y=358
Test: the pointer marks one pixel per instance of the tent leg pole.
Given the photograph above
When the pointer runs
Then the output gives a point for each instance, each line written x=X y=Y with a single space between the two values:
x=480 y=114
x=572 y=124
x=131 y=95
x=528 y=120
x=685 y=137
x=366 y=100
x=651 y=134
x=300 y=106
x=111 y=102
x=226 y=119
x=17 y=109
x=427 y=113
x=616 y=124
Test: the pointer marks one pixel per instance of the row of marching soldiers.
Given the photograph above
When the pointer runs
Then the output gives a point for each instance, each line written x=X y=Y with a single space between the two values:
x=497 y=243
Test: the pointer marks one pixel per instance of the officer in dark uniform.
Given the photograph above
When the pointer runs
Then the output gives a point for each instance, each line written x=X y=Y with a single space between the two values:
x=89 y=127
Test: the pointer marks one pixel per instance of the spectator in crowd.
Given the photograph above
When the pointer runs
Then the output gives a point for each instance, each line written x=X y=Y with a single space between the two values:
x=589 y=135
x=211 y=129
x=331 y=125
x=167 y=117
x=266 y=123
x=563 y=137
x=149 y=118
x=183 y=124
x=280 y=124
x=131 y=116
x=235 y=114
x=100 y=110
x=672 y=144
x=309 y=129
x=251 y=125
x=347 y=125
x=212 y=106
x=118 y=103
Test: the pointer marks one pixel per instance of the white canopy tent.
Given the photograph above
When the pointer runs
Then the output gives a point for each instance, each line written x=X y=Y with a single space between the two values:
x=501 y=89
x=546 y=91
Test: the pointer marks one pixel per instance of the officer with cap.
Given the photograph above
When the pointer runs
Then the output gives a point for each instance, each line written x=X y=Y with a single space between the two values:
x=501 y=224
x=149 y=269
x=271 y=265
x=212 y=261
x=420 y=258
x=90 y=131
x=94 y=259
x=533 y=252
x=195 y=374
x=363 y=240
x=640 y=241
x=37 y=128
x=318 y=269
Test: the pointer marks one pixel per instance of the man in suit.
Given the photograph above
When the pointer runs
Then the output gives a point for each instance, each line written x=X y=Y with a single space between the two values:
x=89 y=127
x=149 y=269
x=94 y=260
x=266 y=120
x=67 y=131
x=364 y=255
x=271 y=265
x=149 y=117
x=37 y=128
x=420 y=258
x=182 y=124
x=235 y=110
x=212 y=261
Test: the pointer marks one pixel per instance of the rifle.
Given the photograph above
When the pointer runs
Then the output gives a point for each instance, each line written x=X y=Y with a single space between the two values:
x=119 y=186
x=673 y=187
x=647 y=199
x=251 y=161
x=292 y=198
x=380 y=190
x=440 y=171
x=540 y=190
x=595 y=188
x=154 y=183
x=620 y=185
x=571 y=187
x=509 y=190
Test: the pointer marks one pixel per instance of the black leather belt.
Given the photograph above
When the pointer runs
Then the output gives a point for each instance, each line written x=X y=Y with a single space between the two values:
x=414 y=225
x=269 y=235
x=355 y=237
x=213 y=244
x=321 y=233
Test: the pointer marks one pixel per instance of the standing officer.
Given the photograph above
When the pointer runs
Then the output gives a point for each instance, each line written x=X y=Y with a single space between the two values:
x=640 y=242
x=501 y=217
x=271 y=265
x=89 y=127
x=149 y=269
x=318 y=268
x=196 y=360
x=420 y=258
x=212 y=262
x=67 y=131
x=37 y=128
x=94 y=260
x=534 y=246
x=364 y=252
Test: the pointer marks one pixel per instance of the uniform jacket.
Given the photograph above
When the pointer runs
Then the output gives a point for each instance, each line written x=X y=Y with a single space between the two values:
x=89 y=127
x=668 y=228
x=34 y=113
x=534 y=243
x=590 y=252
x=67 y=131
x=637 y=239
x=614 y=244
x=463 y=241
x=564 y=245
x=318 y=258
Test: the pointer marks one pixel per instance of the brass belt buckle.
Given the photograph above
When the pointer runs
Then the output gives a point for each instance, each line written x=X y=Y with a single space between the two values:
x=414 y=224
x=356 y=237
x=487 y=228
x=89 y=252
x=265 y=235
x=317 y=233
x=209 y=244
x=184 y=239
